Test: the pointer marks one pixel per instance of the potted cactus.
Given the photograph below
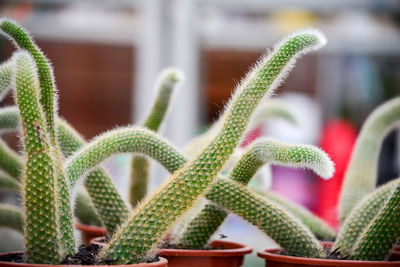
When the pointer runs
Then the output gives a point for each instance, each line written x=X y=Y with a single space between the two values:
x=369 y=217
x=48 y=181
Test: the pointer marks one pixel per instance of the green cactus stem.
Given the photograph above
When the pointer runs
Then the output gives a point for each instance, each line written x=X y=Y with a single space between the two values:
x=361 y=174
x=6 y=77
x=46 y=77
x=42 y=239
x=10 y=161
x=85 y=210
x=122 y=140
x=9 y=119
x=360 y=217
x=9 y=183
x=319 y=227
x=262 y=151
x=138 y=237
x=382 y=233
x=11 y=217
x=110 y=206
x=165 y=87
x=294 y=237
x=48 y=101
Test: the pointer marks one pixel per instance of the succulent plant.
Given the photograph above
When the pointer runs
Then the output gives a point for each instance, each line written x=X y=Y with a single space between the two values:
x=49 y=181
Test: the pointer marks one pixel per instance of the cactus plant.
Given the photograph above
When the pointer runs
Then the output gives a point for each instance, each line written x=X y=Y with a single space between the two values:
x=135 y=239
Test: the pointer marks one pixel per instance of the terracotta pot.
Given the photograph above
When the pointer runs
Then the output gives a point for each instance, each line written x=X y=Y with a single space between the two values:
x=273 y=259
x=232 y=255
x=161 y=263
x=88 y=232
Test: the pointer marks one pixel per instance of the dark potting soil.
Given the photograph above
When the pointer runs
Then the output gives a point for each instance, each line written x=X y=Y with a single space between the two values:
x=86 y=255
x=14 y=257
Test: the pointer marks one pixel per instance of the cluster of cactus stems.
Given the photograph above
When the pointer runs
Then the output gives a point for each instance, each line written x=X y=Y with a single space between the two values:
x=47 y=181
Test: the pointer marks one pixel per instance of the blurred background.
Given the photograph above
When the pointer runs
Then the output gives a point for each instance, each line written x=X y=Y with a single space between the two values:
x=107 y=55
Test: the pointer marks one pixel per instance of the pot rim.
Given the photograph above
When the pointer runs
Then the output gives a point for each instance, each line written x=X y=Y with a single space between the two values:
x=91 y=228
x=271 y=254
x=160 y=263
x=239 y=251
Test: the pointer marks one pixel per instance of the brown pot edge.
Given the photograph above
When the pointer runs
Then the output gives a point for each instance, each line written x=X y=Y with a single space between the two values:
x=91 y=228
x=240 y=251
x=271 y=254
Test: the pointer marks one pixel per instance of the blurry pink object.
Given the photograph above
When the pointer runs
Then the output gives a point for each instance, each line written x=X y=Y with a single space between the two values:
x=338 y=138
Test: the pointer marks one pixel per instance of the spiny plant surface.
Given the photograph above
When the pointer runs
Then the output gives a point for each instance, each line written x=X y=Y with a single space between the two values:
x=361 y=174
x=42 y=233
x=262 y=151
x=360 y=217
x=151 y=219
x=48 y=103
x=382 y=233
x=165 y=87
x=105 y=196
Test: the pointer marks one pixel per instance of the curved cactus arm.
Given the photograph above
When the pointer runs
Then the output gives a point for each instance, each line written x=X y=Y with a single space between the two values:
x=138 y=237
x=294 y=237
x=48 y=95
x=361 y=174
x=85 y=210
x=166 y=87
x=9 y=183
x=111 y=207
x=48 y=101
x=7 y=73
x=267 y=150
x=262 y=151
x=10 y=162
x=360 y=217
x=380 y=236
x=271 y=108
x=123 y=140
x=40 y=193
x=319 y=227
x=11 y=217
x=9 y=119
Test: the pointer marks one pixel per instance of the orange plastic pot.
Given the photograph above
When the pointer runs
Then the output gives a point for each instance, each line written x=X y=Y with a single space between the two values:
x=274 y=259
x=88 y=232
x=229 y=254
x=161 y=263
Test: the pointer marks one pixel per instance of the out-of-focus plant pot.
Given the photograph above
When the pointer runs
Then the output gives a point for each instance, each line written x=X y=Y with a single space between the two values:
x=161 y=263
x=229 y=254
x=274 y=259
x=88 y=232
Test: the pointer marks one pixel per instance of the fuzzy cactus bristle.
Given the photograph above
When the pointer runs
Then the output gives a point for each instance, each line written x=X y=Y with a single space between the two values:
x=40 y=199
